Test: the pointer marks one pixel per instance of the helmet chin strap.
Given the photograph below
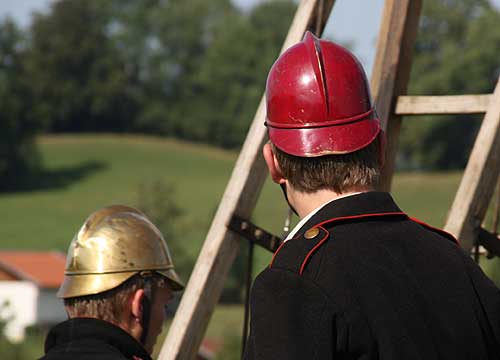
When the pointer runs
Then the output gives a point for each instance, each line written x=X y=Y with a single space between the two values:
x=283 y=188
x=147 y=302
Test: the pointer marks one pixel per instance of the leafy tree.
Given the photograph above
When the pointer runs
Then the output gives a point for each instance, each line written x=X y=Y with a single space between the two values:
x=165 y=42
x=191 y=69
x=200 y=65
x=79 y=82
x=456 y=52
x=18 y=154
x=231 y=80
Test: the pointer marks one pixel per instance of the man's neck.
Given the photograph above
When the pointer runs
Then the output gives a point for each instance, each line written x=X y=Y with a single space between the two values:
x=304 y=203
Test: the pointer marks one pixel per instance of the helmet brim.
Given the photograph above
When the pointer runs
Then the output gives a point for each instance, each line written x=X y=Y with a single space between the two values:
x=174 y=280
x=91 y=284
x=329 y=140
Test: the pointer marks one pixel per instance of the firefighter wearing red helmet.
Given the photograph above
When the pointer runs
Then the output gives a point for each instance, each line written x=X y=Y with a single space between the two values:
x=357 y=278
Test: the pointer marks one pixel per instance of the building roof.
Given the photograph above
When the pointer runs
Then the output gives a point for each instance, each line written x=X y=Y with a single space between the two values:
x=44 y=268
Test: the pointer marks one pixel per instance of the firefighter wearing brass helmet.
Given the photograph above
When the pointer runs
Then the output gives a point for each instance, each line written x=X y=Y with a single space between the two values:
x=357 y=278
x=119 y=277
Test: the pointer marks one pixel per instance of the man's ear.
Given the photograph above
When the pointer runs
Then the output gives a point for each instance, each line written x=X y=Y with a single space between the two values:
x=272 y=164
x=136 y=307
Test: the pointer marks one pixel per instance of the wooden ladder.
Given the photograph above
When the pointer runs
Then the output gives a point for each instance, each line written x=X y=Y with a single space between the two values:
x=389 y=83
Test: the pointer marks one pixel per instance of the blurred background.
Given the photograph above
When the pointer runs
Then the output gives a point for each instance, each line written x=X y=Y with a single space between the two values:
x=147 y=103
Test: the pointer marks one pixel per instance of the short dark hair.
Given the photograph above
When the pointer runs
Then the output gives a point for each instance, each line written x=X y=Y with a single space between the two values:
x=109 y=305
x=340 y=173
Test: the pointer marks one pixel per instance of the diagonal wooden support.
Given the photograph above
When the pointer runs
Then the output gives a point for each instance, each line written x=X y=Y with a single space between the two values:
x=221 y=245
x=480 y=176
x=391 y=71
x=389 y=81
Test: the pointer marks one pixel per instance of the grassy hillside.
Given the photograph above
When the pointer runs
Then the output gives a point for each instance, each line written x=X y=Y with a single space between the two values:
x=84 y=173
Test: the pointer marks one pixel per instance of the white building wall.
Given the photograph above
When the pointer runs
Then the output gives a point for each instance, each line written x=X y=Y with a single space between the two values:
x=50 y=309
x=18 y=305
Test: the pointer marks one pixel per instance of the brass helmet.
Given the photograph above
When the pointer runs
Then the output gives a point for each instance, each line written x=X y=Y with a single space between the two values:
x=114 y=244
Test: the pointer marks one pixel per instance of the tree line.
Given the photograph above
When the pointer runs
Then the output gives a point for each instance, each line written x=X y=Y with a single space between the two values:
x=195 y=70
x=190 y=69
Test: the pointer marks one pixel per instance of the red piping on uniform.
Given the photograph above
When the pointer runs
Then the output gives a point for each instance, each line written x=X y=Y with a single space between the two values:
x=362 y=216
x=439 y=231
x=335 y=220
x=309 y=254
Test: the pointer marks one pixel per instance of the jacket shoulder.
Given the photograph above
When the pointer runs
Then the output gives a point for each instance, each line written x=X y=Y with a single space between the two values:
x=295 y=254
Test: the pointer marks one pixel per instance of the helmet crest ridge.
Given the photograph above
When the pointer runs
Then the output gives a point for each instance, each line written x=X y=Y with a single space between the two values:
x=318 y=101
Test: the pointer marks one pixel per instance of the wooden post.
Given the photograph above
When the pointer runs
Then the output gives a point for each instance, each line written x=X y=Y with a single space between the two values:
x=391 y=71
x=478 y=183
x=444 y=104
x=389 y=80
x=221 y=245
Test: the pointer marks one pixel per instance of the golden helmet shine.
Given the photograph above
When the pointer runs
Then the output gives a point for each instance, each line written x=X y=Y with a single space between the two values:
x=114 y=244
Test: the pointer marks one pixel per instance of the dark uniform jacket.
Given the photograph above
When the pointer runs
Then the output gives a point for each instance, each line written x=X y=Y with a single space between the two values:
x=361 y=280
x=91 y=339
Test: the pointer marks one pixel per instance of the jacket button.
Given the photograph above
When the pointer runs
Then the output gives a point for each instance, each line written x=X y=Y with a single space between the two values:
x=311 y=233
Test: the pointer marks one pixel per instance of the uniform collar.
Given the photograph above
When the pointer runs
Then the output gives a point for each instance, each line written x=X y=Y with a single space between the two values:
x=312 y=213
x=371 y=202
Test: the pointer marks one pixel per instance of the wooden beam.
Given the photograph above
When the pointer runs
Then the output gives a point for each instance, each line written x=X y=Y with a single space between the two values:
x=480 y=176
x=441 y=105
x=391 y=71
x=221 y=245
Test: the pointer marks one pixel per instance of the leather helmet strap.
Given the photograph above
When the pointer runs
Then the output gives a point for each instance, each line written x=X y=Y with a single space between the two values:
x=283 y=187
x=146 y=306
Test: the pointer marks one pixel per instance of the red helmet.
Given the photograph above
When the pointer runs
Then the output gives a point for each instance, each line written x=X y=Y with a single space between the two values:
x=318 y=101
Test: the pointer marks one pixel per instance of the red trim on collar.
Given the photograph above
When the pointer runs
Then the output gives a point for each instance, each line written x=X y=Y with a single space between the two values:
x=437 y=230
x=362 y=216
x=309 y=254
x=329 y=221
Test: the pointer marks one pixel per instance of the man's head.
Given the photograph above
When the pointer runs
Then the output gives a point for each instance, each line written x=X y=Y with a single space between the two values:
x=119 y=270
x=323 y=129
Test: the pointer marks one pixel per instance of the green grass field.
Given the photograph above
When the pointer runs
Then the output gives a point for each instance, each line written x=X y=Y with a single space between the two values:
x=85 y=172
